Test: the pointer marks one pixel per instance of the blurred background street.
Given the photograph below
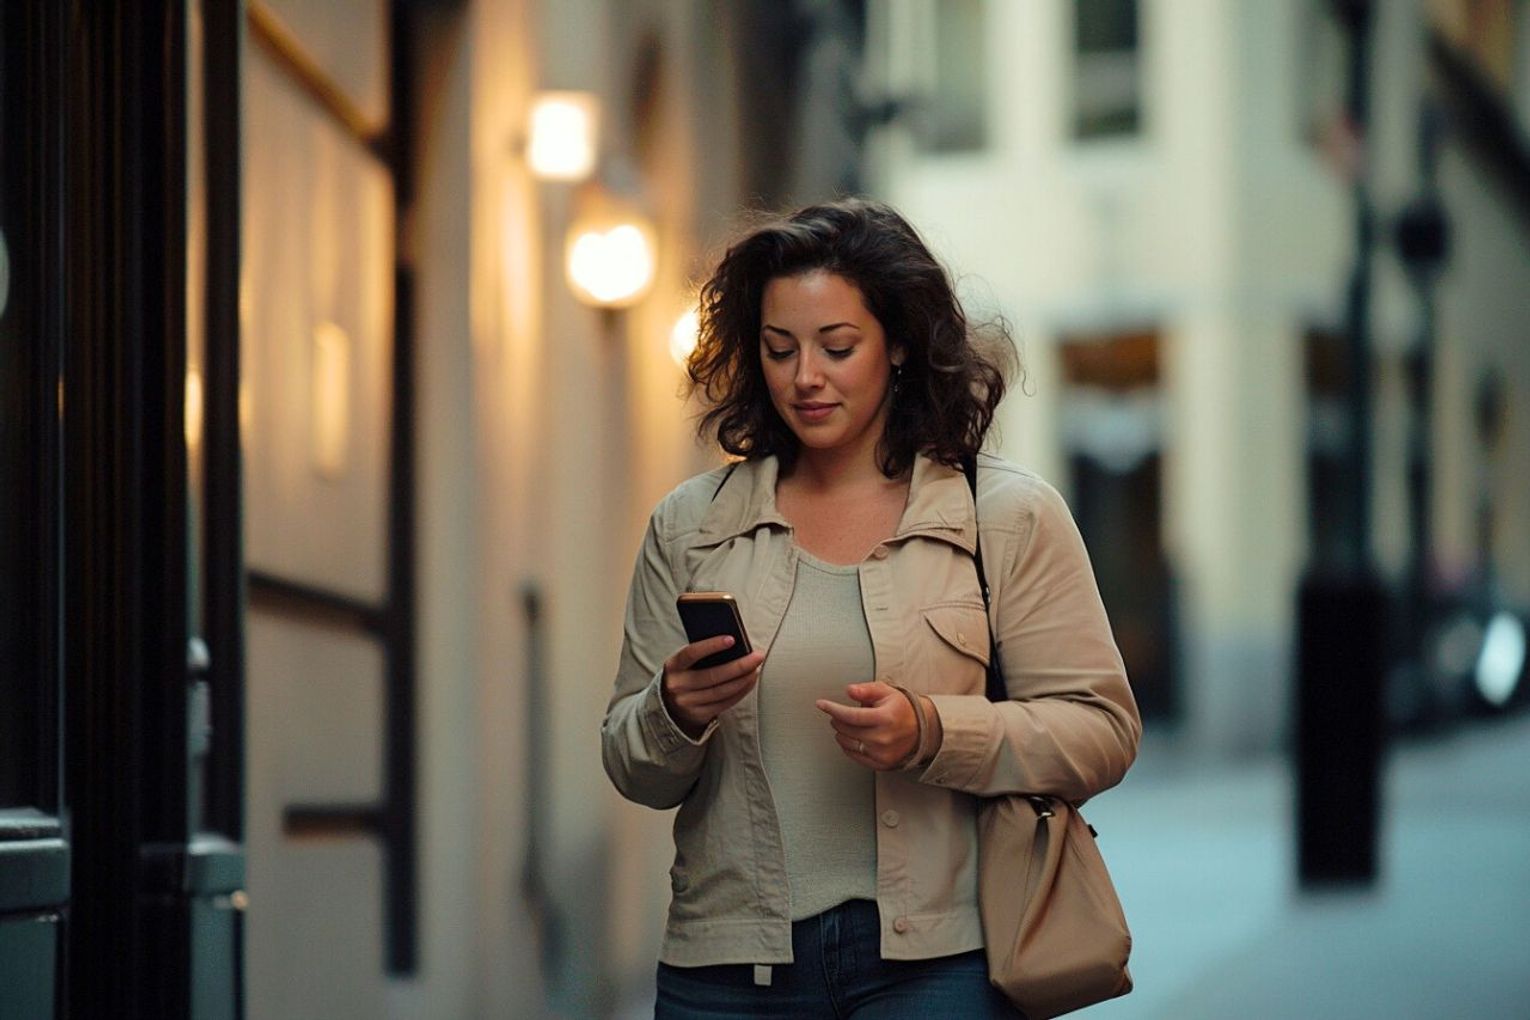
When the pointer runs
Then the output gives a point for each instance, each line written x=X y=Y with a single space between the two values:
x=1203 y=859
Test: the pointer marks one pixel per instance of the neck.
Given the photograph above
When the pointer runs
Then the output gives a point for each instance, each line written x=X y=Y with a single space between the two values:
x=824 y=470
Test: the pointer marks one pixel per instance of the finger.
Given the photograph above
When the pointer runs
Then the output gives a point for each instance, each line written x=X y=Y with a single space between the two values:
x=694 y=652
x=866 y=733
x=697 y=680
x=870 y=691
x=706 y=697
x=851 y=715
x=741 y=666
x=720 y=707
x=856 y=750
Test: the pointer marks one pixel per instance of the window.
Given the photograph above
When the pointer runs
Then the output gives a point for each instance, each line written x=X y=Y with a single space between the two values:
x=1320 y=86
x=955 y=118
x=1107 y=74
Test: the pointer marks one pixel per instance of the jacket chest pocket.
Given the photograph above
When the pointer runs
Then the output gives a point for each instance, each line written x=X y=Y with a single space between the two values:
x=956 y=643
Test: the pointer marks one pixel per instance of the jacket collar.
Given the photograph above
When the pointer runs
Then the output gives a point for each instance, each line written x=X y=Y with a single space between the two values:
x=939 y=504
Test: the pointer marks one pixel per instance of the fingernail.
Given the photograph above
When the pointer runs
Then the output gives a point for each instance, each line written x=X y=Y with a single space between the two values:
x=727 y=641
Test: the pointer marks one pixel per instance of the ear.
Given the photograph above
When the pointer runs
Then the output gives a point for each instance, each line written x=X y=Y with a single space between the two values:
x=898 y=356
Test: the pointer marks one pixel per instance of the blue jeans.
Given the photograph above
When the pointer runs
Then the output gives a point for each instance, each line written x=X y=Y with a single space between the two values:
x=839 y=974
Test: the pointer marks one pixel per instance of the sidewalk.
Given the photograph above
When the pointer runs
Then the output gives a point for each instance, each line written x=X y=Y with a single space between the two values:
x=1204 y=860
x=1203 y=856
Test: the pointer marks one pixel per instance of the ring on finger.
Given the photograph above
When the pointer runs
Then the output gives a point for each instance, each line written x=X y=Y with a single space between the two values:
x=860 y=747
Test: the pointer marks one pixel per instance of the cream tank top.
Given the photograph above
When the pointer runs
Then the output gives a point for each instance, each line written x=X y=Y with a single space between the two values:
x=826 y=803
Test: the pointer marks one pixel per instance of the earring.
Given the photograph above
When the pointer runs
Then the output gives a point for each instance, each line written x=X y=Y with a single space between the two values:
x=897 y=379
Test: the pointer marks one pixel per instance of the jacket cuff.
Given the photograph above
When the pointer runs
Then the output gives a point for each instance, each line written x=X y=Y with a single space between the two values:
x=917 y=758
x=970 y=733
x=662 y=730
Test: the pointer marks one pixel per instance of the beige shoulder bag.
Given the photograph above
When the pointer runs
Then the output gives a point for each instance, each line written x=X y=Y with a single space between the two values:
x=1055 y=933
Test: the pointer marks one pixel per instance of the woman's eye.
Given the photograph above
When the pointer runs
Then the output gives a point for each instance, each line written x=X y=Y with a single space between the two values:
x=838 y=352
x=775 y=355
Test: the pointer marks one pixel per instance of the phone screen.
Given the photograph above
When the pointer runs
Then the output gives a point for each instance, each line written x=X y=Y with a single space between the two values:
x=708 y=614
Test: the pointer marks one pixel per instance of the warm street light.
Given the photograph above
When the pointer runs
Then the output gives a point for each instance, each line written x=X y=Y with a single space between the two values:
x=562 y=143
x=610 y=268
x=331 y=399
x=611 y=252
x=683 y=337
x=193 y=409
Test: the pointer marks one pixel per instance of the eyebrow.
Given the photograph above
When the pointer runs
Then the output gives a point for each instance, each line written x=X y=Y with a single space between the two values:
x=768 y=328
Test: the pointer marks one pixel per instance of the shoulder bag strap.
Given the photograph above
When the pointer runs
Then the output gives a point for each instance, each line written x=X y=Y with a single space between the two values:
x=996 y=688
x=726 y=475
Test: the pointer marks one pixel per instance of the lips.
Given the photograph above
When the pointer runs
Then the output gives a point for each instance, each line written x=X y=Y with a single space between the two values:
x=813 y=412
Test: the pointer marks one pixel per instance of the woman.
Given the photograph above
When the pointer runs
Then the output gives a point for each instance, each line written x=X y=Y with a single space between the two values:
x=825 y=846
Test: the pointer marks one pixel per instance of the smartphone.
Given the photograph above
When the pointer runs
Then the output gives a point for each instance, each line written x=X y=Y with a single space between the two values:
x=710 y=613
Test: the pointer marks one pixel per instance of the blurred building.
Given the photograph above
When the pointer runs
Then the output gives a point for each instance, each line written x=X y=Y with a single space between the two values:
x=1160 y=195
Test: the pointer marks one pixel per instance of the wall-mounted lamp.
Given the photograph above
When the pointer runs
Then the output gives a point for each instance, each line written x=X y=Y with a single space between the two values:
x=331 y=389
x=610 y=255
x=562 y=141
x=611 y=251
x=684 y=335
x=193 y=409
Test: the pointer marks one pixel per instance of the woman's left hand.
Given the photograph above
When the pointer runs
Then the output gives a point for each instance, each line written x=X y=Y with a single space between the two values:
x=882 y=733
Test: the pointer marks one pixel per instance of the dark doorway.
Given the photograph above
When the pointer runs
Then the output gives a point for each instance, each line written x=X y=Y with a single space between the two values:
x=1112 y=432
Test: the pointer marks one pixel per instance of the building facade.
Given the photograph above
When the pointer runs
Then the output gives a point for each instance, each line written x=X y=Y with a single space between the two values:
x=1161 y=195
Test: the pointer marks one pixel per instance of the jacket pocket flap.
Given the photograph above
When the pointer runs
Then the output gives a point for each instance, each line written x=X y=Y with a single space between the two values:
x=963 y=627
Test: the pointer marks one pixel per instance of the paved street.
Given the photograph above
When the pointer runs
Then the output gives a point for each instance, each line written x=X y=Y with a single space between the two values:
x=1204 y=860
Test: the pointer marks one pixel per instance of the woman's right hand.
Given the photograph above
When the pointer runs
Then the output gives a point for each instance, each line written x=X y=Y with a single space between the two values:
x=695 y=697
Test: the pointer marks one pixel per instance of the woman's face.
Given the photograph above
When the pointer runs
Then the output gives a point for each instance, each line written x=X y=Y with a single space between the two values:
x=826 y=361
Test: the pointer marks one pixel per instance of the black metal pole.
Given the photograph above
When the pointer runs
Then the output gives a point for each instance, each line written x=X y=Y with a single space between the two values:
x=1422 y=236
x=401 y=910
x=224 y=580
x=1342 y=606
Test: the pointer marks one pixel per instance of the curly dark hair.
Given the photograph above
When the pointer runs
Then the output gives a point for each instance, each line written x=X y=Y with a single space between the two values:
x=954 y=372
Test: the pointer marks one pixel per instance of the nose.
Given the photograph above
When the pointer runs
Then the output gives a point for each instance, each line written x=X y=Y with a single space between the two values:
x=809 y=375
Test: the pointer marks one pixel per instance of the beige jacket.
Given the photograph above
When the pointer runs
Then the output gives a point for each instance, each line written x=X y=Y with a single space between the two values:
x=1071 y=729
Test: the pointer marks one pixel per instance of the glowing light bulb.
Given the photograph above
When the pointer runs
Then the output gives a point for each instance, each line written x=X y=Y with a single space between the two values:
x=193 y=409
x=683 y=337
x=611 y=267
x=562 y=137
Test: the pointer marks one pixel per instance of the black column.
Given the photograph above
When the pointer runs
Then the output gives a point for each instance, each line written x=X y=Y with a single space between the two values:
x=1342 y=606
x=128 y=953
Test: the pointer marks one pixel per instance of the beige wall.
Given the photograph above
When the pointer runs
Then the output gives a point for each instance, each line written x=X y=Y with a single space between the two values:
x=318 y=253
x=581 y=431
x=546 y=432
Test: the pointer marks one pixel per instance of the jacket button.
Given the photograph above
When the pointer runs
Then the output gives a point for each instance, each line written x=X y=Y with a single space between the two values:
x=890 y=819
x=962 y=640
x=901 y=925
x=880 y=552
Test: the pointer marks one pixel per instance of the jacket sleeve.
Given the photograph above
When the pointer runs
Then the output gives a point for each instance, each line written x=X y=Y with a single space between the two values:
x=1071 y=727
x=648 y=757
